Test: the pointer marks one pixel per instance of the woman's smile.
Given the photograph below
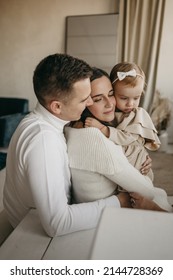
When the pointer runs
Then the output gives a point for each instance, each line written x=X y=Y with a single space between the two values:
x=109 y=112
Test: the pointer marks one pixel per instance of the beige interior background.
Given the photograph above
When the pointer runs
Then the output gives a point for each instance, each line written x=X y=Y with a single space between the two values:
x=93 y=38
x=30 y=30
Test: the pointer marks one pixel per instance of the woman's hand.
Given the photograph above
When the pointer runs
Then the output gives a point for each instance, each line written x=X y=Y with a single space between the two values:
x=140 y=202
x=146 y=166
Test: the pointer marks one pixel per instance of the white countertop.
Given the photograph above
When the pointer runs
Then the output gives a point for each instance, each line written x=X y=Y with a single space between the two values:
x=121 y=234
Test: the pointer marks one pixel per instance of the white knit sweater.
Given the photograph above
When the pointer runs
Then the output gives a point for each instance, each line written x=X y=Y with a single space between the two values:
x=98 y=165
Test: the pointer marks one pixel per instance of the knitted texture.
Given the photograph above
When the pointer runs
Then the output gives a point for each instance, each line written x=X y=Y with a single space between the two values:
x=91 y=144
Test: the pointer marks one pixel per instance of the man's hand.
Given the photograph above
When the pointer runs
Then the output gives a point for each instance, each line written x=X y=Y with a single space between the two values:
x=146 y=166
x=124 y=199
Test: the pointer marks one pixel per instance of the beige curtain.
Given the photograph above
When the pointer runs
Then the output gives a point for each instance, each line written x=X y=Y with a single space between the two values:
x=140 y=26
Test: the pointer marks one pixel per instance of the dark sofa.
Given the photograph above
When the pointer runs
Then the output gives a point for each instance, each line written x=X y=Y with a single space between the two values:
x=12 y=111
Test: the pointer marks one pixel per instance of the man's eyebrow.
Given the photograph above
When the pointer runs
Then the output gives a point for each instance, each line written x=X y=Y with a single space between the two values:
x=85 y=98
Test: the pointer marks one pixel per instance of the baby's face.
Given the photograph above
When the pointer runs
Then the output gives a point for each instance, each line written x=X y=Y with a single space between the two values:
x=127 y=96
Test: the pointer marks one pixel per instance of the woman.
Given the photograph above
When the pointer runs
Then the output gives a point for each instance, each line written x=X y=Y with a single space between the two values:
x=97 y=164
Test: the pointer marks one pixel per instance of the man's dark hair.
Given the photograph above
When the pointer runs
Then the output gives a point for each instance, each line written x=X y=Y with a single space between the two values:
x=55 y=75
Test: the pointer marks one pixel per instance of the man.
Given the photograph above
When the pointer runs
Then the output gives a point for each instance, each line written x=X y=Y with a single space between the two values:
x=38 y=174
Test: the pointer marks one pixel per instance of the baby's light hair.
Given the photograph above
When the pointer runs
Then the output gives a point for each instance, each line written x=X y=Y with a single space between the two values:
x=126 y=72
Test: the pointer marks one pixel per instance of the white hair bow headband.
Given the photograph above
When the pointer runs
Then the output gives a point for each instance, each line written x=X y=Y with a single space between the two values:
x=123 y=75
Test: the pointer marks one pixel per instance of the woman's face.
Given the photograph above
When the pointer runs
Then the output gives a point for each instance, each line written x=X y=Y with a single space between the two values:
x=103 y=107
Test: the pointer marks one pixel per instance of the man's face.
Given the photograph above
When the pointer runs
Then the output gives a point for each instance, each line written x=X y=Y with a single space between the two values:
x=72 y=109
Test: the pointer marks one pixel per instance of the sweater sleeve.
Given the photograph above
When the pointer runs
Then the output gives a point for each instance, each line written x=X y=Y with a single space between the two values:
x=96 y=153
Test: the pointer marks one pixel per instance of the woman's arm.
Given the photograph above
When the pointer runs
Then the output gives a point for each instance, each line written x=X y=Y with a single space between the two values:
x=96 y=153
x=118 y=137
x=128 y=177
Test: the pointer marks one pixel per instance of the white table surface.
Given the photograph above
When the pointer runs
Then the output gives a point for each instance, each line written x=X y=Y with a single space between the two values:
x=121 y=234
x=129 y=234
x=29 y=242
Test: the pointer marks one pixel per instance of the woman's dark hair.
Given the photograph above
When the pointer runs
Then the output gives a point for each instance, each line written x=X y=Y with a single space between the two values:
x=98 y=73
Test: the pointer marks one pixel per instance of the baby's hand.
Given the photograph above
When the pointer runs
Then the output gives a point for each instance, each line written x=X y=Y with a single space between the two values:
x=91 y=122
x=146 y=166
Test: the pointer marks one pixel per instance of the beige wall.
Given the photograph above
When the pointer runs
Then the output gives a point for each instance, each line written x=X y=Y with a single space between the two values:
x=165 y=66
x=32 y=29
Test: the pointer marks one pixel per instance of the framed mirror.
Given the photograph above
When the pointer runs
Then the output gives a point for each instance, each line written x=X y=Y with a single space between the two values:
x=93 y=38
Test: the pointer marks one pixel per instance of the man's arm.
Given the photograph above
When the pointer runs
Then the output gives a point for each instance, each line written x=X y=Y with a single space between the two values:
x=46 y=164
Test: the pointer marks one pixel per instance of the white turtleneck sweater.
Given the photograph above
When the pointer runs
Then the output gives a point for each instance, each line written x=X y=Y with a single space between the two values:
x=38 y=176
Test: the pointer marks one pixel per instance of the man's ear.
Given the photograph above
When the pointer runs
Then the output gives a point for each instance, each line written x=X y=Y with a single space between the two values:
x=55 y=107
